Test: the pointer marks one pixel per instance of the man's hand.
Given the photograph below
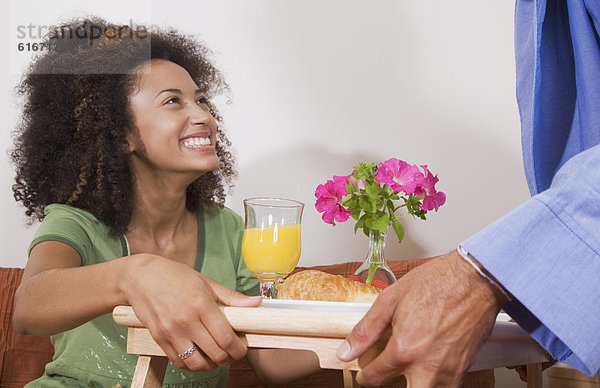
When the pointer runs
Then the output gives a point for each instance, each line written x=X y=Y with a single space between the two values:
x=441 y=313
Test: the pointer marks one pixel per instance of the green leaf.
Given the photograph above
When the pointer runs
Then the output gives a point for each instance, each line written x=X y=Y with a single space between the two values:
x=369 y=220
x=368 y=204
x=380 y=223
x=349 y=188
x=373 y=189
x=351 y=203
x=364 y=219
x=359 y=224
x=399 y=229
x=364 y=171
x=390 y=206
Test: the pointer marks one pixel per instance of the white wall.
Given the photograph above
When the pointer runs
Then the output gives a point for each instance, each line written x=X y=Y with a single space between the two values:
x=319 y=85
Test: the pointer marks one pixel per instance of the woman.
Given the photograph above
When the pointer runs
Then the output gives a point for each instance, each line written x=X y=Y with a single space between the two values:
x=120 y=154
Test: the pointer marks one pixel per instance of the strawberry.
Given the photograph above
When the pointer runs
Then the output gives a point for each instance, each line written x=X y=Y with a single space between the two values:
x=356 y=278
x=379 y=284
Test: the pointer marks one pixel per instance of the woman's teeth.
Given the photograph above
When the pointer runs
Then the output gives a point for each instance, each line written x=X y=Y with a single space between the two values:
x=196 y=142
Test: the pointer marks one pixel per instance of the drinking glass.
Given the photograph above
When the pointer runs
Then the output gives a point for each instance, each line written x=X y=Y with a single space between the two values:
x=271 y=244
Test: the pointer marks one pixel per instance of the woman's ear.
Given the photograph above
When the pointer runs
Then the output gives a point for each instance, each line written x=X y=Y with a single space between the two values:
x=133 y=140
x=129 y=148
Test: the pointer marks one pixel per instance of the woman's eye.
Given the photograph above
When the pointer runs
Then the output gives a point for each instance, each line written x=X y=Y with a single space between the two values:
x=202 y=101
x=173 y=100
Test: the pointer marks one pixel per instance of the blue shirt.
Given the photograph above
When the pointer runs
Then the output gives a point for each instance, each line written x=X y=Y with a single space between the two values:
x=546 y=252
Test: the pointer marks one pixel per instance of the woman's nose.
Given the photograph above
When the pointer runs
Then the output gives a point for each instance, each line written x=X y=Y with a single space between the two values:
x=200 y=115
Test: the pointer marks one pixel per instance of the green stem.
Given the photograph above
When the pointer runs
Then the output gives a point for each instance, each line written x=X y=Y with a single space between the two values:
x=399 y=206
x=377 y=247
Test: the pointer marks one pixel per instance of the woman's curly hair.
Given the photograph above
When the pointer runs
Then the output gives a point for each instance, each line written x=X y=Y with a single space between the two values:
x=71 y=145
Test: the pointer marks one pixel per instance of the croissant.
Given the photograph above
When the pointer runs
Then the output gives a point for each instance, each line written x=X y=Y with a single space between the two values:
x=318 y=285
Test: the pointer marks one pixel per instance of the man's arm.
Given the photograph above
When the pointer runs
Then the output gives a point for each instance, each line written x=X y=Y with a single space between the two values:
x=546 y=253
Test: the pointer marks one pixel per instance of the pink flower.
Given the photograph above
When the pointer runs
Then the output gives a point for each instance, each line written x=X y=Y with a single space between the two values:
x=329 y=197
x=433 y=199
x=399 y=175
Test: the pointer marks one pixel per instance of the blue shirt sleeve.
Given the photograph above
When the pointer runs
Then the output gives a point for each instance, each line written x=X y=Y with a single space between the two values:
x=546 y=252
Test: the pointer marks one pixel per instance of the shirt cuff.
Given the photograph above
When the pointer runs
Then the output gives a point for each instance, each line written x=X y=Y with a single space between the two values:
x=552 y=275
x=466 y=257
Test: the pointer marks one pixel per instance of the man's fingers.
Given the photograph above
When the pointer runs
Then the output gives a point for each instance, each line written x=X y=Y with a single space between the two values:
x=422 y=376
x=385 y=366
x=367 y=331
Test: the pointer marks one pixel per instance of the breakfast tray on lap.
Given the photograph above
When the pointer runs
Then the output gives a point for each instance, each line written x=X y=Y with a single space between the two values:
x=321 y=327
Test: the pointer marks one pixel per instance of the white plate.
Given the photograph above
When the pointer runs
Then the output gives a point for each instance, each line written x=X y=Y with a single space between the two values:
x=315 y=305
x=334 y=306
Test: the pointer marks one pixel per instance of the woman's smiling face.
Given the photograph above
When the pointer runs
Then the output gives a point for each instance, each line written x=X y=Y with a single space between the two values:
x=174 y=130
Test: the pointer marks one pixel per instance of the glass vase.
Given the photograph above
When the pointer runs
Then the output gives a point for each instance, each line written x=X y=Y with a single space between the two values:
x=375 y=266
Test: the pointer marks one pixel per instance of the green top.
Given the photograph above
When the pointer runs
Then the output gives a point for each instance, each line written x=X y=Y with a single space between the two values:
x=94 y=354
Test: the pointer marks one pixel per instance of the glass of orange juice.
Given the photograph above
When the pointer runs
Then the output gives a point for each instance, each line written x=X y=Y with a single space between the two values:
x=271 y=244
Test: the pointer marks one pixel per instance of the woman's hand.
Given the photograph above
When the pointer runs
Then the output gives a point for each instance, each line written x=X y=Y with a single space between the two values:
x=441 y=314
x=179 y=307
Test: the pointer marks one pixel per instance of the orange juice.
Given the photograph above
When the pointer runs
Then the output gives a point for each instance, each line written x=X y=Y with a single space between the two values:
x=272 y=249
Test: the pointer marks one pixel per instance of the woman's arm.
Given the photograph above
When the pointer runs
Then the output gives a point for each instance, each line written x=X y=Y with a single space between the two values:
x=279 y=366
x=57 y=294
x=177 y=304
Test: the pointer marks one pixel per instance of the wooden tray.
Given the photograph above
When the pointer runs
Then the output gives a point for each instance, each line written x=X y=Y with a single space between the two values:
x=323 y=331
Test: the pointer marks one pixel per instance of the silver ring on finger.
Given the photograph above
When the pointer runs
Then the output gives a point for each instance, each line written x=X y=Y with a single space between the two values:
x=188 y=352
